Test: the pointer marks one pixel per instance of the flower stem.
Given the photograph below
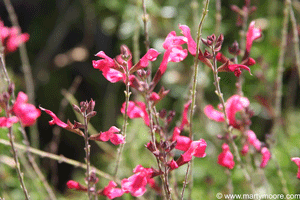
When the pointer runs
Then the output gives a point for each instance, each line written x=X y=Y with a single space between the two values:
x=228 y=127
x=193 y=94
x=59 y=158
x=87 y=154
x=127 y=96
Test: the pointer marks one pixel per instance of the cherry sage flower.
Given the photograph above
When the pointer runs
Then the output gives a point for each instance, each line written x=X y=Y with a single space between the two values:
x=8 y=122
x=136 y=110
x=75 y=185
x=225 y=158
x=233 y=105
x=27 y=113
x=266 y=156
x=111 y=192
x=116 y=139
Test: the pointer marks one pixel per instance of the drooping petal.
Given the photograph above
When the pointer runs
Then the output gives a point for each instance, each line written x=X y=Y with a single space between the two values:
x=55 y=119
x=266 y=156
x=185 y=120
x=213 y=114
x=192 y=46
x=252 y=34
x=225 y=158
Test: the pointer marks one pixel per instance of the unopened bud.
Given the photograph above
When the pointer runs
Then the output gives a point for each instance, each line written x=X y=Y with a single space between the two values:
x=76 y=108
x=11 y=88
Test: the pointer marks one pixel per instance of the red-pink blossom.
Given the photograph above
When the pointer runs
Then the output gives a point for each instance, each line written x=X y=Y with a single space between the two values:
x=136 y=110
x=266 y=156
x=245 y=149
x=75 y=185
x=192 y=46
x=297 y=161
x=173 y=164
x=111 y=192
x=252 y=34
x=8 y=122
x=12 y=37
x=252 y=139
x=111 y=135
x=233 y=105
x=196 y=148
x=27 y=113
x=172 y=40
x=114 y=72
x=136 y=184
x=225 y=158
x=55 y=119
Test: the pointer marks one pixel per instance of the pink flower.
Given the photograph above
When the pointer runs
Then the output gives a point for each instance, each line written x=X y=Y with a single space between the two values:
x=192 y=46
x=174 y=53
x=136 y=110
x=252 y=139
x=245 y=149
x=252 y=34
x=8 y=122
x=225 y=158
x=297 y=161
x=11 y=37
x=266 y=156
x=136 y=184
x=113 y=70
x=55 y=120
x=27 y=113
x=75 y=185
x=233 y=105
x=116 y=139
x=111 y=191
x=196 y=148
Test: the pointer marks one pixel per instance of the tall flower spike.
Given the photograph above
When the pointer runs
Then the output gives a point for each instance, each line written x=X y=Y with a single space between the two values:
x=225 y=158
x=27 y=113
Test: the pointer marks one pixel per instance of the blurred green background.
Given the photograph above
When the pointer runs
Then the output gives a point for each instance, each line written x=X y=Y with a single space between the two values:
x=66 y=34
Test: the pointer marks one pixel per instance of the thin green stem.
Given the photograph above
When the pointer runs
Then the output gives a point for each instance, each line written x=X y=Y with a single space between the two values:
x=125 y=123
x=18 y=168
x=193 y=92
x=226 y=122
x=59 y=158
x=87 y=154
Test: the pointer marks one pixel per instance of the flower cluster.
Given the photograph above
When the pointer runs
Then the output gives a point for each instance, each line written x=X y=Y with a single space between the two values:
x=11 y=37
